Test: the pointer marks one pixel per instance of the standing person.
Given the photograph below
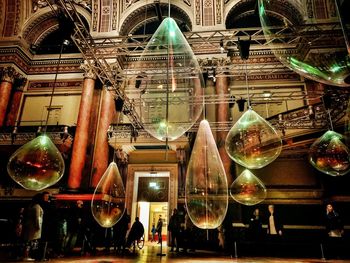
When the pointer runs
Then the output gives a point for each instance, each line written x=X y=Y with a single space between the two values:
x=189 y=234
x=120 y=230
x=49 y=224
x=75 y=226
x=334 y=225
x=174 y=229
x=335 y=231
x=159 y=229
x=32 y=226
x=274 y=228
x=18 y=241
x=153 y=231
x=255 y=226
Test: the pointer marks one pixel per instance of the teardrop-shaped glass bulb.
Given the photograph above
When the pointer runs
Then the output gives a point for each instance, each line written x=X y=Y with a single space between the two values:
x=252 y=142
x=330 y=155
x=248 y=189
x=37 y=164
x=309 y=56
x=206 y=183
x=108 y=201
x=170 y=82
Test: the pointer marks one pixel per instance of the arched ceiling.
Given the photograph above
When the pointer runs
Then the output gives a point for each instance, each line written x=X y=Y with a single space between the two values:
x=245 y=14
x=145 y=19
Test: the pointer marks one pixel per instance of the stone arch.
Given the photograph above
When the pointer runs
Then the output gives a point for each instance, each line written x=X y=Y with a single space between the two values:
x=43 y=22
x=134 y=17
x=282 y=10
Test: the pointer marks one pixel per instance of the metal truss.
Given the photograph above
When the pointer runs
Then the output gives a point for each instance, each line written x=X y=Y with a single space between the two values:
x=109 y=57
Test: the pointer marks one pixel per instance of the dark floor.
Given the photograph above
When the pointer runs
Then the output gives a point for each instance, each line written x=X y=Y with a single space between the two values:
x=150 y=253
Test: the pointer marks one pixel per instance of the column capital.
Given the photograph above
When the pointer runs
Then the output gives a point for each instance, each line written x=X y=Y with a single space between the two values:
x=88 y=72
x=20 y=83
x=9 y=74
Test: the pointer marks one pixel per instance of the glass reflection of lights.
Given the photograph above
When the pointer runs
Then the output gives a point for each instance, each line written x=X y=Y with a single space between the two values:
x=206 y=194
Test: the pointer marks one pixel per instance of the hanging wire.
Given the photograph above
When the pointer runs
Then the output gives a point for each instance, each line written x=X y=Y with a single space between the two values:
x=247 y=84
x=64 y=43
x=167 y=94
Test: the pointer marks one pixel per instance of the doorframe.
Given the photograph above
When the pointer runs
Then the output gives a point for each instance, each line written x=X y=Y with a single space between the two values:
x=171 y=169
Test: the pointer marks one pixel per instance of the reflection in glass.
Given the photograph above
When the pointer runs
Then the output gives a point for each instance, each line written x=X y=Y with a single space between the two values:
x=37 y=164
x=248 y=189
x=330 y=155
x=252 y=142
x=206 y=183
x=320 y=58
x=170 y=89
x=108 y=200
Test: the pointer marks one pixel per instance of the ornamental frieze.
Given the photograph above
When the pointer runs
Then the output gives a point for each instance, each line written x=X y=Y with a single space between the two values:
x=39 y=85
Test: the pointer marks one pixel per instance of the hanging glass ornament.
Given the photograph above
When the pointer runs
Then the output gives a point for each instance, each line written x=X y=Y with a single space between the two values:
x=252 y=142
x=248 y=189
x=206 y=183
x=37 y=164
x=319 y=58
x=170 y=83
x=108 y=200
x=330 y=155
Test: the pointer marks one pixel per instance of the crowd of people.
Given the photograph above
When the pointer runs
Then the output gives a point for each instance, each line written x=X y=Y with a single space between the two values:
x=42 y=231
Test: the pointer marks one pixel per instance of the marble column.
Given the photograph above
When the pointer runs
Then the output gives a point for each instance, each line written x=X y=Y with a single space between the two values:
x=101 y=152
x=223 y=115
x=15 y=101
x=8 y=76
x=81 y=137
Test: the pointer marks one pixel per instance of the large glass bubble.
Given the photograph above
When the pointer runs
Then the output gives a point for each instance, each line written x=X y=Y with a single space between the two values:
x=317 y=54
x=108 y=200
x=37 y=164
x=330 y=155
x=206 y=183
x=170 y=83
x=252 y=142
x=248 y=189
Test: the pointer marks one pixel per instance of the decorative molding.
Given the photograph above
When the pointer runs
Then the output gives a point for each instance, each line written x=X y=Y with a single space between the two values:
x=88 y=71
x=115 y=15
x=44 y=85
x=198 y=11
x=95 y=15
x=9 y=74
x=218 y=12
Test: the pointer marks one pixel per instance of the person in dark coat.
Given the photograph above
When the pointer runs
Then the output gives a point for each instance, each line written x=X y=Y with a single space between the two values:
x=255 y=230
x=274 y=225
x=159 y=228
x=174 y=229
x=120 y=230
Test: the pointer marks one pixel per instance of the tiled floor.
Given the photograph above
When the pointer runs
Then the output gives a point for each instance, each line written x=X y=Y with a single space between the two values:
x=150 y=253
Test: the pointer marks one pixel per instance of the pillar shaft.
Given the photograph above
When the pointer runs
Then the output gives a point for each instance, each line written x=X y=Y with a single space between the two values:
x=8 y=75
x=222 y=115
x=81 y=135
x=101 y=153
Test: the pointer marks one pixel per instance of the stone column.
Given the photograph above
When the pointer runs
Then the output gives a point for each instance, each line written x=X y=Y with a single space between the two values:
x=81 y=137
x=8 y=76
x=101 y=153
x=15 y=101
x=223 y=115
